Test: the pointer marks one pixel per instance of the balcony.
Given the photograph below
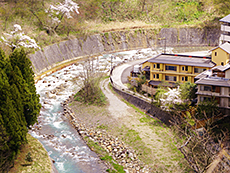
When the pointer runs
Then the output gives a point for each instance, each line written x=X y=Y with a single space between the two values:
x=225 y=28
x=224 y=37
x=208 y=93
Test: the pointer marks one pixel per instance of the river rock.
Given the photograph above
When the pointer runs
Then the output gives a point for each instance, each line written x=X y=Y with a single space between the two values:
x=64 y=136
x=124 y=155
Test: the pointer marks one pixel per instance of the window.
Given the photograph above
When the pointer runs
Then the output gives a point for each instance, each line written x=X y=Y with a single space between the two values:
x=157 y=76
x=154 y=76
x=182 y=78
x=215 y=53
x=186 y=78
x=222 y=63
x=169 y=67
x=154 y=65
x=213 y=89
x=158 y=65
x=205 y=88
x=186 y=68
x=199 y=70
x=170 y=78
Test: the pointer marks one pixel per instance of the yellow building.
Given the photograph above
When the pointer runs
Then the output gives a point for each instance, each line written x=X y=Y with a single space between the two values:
x=174 y=68
x=221 y=54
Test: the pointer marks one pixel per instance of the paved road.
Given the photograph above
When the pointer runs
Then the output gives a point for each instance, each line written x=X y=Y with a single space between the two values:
x=121 y=73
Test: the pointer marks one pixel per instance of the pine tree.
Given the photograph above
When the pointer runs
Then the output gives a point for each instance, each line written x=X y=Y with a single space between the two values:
x=2 y=59
x=5 y=152
x=18 y=58
x=26 y=100
x=12 y=122
x=17 y=101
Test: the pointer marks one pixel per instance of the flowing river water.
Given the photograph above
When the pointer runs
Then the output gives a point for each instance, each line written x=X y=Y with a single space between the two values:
x=54 y=131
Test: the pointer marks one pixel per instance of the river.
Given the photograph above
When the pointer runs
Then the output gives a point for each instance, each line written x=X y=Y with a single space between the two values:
x=53 y=130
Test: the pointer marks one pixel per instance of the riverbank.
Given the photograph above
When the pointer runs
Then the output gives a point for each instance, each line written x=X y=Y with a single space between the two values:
x=151 y=142
x=41 y=161
x=111 y=146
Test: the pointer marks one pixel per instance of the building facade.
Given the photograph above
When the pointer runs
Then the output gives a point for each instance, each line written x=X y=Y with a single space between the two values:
x=225 y=30
x=215 y=85
x=175 y=68
x=221 y=54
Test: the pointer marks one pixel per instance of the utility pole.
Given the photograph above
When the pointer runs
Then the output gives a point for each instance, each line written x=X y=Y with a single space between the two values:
x=111 y=63
x=165 y=45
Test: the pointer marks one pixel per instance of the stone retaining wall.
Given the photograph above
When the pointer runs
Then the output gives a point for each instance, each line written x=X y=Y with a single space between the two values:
x=97 y=44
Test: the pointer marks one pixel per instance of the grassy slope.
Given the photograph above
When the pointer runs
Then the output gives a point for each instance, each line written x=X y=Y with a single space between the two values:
x=41 y=161
x=160 y=14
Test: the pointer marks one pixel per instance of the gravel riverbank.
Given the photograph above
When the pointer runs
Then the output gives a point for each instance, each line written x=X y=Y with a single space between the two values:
x=116 y=148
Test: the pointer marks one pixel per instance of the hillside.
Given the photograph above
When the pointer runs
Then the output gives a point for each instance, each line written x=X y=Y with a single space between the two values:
x=49 y=24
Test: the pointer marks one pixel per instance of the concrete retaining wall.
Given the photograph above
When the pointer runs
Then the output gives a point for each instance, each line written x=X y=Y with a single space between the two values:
x=119 y=41
x=144 y=105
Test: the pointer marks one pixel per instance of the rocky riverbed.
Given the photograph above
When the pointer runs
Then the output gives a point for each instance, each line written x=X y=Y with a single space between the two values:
x=116 y=148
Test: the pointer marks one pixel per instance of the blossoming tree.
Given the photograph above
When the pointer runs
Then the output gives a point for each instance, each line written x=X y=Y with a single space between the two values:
x=51 y=18
x=17 y=38
x=171 y=97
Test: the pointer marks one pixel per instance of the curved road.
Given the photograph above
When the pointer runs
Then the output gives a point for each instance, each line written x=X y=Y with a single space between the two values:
x=120 y=73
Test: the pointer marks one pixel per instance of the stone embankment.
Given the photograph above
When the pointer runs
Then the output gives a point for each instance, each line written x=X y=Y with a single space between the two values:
x=116 y=148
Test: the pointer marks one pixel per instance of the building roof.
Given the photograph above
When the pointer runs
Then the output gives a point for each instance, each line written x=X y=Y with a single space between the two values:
x=225 y=47
x=182 y=60
x=222 y=68
x=204 y=74
x=147 y=68
x=225 y=19
x=215 y=81
x=156 y=83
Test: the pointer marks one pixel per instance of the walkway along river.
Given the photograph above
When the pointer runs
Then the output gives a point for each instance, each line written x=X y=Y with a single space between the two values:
x=61 y=140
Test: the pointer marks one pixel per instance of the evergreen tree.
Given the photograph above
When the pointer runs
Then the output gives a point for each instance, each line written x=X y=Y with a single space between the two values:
x=5 y=151
x=24 y=103
x=18 y=102
x=18 y=58
x=2 y=59
x=11 y=121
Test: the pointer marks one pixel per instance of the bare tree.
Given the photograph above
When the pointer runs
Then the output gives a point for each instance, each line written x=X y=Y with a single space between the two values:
x=90 y=89
x=202 y=148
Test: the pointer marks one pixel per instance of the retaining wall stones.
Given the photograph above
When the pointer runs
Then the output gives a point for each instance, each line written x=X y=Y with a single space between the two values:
x=97 y=44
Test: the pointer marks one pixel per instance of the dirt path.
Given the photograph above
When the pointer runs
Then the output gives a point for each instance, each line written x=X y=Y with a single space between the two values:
x=165 y=158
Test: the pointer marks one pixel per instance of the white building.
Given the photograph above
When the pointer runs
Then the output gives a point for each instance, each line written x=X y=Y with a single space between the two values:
x=215 y=84
x=225 y=29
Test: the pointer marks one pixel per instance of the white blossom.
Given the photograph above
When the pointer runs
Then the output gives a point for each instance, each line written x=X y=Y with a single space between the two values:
x=17 y=38
x=170 y=97
x=65 y=9
x=16 y=28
